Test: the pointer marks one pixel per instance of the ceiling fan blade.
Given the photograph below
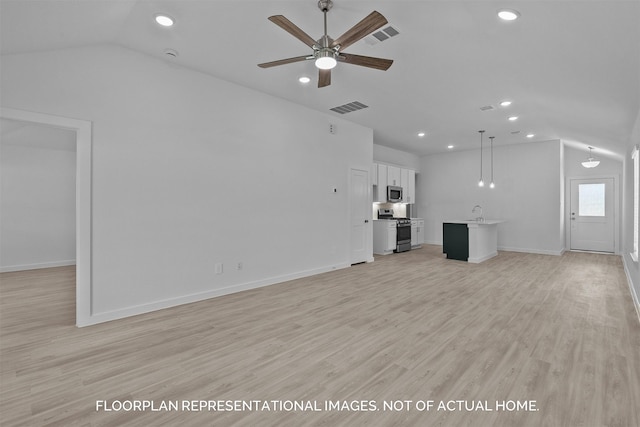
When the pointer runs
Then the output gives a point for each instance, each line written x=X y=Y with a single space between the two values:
x=366 y=61
x=284 y=61
x=293 y=29
x=369 y=24
x=324 y=78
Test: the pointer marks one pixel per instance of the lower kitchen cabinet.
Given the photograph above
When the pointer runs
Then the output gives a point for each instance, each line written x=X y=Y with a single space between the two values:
x=417 y=232
x=384 y=237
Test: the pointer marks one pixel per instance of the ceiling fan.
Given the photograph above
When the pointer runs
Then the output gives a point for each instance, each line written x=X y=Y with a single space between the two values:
x=327 y=51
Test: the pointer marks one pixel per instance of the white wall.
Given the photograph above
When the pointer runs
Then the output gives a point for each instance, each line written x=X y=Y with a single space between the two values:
x=37 y=198
x=632 y=267
x=391 y=156
x=528 y=194
x=190 y=171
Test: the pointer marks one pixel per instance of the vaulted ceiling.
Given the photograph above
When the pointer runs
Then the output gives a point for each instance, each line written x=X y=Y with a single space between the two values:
x=570 y=68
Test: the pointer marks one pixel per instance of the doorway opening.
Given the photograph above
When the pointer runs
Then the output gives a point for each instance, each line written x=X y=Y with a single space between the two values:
x=83 y=186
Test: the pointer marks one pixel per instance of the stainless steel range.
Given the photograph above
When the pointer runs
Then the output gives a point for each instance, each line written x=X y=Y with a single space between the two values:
x=403 y=229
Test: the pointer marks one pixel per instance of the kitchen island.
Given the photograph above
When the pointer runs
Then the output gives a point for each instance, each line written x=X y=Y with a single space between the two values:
x=473 y=241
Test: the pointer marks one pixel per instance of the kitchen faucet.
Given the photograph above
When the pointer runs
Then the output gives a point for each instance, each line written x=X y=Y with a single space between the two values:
x=475 y=210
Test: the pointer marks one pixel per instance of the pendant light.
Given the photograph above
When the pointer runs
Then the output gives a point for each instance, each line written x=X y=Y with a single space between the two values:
x=591 y=162
x=481 y=182
x=492 y=185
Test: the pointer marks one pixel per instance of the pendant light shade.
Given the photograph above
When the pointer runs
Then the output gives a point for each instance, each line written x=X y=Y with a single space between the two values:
x=591 y=162
x=481 y=182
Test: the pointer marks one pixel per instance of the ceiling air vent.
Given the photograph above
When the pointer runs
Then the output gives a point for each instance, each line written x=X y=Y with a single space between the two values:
x=348 y=108
x=486 y=108
x=382 y=35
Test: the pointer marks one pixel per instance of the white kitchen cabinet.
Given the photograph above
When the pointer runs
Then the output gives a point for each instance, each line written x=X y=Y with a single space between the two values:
x=374 y=174
x=381 y=189
x=384 y=236
x=385 y=175
x=414 y=233
x=393 y=176
x=417 y=232
x=408 y=181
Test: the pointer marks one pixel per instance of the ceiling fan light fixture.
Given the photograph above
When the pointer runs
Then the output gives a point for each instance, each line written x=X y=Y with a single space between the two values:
x=325 y=60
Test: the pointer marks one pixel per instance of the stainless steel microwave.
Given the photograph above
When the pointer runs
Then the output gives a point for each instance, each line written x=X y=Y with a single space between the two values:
x=394 y=194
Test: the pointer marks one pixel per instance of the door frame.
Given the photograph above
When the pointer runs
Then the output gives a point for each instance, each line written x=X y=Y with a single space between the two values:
x=369 y=202
x=616 y=208
x=83 y=131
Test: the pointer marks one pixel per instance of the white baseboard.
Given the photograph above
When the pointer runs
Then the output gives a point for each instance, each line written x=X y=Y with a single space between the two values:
x=634 y=295
x=101 y=317
x=481 y=259
x=531 y=251
x=9 y=268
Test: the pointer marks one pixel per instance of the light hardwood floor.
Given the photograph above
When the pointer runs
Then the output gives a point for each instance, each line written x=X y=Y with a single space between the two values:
x=558 y=330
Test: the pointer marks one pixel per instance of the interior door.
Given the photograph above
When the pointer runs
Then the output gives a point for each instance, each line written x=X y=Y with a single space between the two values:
x=360 y=215
x=592 y=215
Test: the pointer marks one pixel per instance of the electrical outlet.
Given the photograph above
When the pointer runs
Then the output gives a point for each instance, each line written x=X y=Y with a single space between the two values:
x=239 y=266
x=218 y=268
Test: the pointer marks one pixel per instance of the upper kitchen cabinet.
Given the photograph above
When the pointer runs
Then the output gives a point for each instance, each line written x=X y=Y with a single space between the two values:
x=394 y=176
x=380 y=194
x=385 y=175
x=408 y=183
x=374 y=174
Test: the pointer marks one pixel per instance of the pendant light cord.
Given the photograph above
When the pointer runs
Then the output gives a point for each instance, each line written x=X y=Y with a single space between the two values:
x=491 y=138
x=481 y=133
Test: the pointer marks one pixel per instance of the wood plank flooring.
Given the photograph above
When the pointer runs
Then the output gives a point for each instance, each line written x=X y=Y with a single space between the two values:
x=558 y=330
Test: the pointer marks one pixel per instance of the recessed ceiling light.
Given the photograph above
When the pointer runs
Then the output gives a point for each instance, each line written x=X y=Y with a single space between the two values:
x=508 y=14
x=513 y=118
x=505 y=103
x=304 y=79
x=449 y=147
x=164 y=20
x=420 y=134
x=530 y=135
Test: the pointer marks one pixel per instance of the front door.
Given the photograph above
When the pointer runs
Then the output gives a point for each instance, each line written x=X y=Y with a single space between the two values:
x=360 y=205
x=592 y=215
